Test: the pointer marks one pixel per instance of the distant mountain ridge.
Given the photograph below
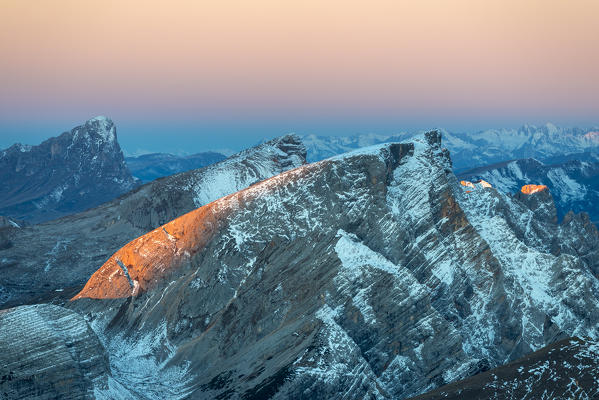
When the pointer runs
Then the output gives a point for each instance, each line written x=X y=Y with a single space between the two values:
x=470 y=150
x=148 y=167
x=75 y=171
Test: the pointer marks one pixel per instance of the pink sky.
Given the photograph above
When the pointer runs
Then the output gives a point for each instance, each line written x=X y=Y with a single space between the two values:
x=515 y=61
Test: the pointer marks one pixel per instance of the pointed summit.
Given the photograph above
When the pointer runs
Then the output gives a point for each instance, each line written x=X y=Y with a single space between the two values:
x=77 y=170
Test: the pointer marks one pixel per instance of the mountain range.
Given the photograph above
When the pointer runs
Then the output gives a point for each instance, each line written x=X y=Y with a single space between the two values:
x=51 y=259
x=372 y=274
x=148 y=167
x=473 y=149
x=85 y=167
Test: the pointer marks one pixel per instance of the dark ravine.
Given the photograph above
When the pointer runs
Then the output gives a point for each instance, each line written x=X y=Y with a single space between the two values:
x=374 y=274
x=55 y=259
x=70 y=173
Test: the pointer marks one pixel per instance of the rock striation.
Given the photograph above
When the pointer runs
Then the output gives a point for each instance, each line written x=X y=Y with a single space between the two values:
x=49 y=352
x=373 y=274
x=370 y=274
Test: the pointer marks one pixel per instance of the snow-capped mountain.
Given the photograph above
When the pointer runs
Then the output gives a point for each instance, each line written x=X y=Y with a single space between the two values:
x=573 y=184
x=148 y=167
x=75 y=171
x=52 y=259
x=469 y=150
x=374 y=274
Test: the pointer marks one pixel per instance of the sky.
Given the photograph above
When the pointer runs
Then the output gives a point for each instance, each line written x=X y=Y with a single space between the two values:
x=187 y=76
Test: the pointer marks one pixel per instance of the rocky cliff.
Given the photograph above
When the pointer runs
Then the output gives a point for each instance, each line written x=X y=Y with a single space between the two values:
x=75 y=171
x=49 y=352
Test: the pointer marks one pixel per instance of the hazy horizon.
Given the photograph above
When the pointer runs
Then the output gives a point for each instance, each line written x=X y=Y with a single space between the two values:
x=227 y=74
x=133 y=145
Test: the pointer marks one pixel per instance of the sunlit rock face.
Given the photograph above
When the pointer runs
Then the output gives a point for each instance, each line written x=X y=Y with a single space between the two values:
x=480 y=184
x=370 y=274
x=55 y=259
x=530 y=189
x=75 y=171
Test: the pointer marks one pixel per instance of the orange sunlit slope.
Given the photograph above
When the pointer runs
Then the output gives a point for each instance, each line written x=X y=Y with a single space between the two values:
x=530 y=189
x=149 y=258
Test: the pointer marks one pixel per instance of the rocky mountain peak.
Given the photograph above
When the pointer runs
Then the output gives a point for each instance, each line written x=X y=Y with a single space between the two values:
x=100 y=129
x=433 y=137
x=412 y=288
x=77 y=170
x=539 y=200
x=143 y=262
x=71 y=250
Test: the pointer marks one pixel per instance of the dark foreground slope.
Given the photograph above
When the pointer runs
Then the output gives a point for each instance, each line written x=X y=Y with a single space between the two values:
x=370 y=275
x=49 y=352
x=563 y=370
x=75 y=171
x=37 y=261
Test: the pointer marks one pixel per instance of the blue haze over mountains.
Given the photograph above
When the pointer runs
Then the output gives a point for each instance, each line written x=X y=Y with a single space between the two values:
x=565 y=159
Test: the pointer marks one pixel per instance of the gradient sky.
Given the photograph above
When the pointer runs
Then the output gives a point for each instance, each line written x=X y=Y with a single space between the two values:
x=190 y=75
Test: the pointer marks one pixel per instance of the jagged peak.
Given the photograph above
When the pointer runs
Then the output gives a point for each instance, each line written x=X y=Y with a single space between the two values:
x=289 y=145
x=16 y=148
x=100 y=118
x=100 y=126
x=433 y=137
x=287 y=138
